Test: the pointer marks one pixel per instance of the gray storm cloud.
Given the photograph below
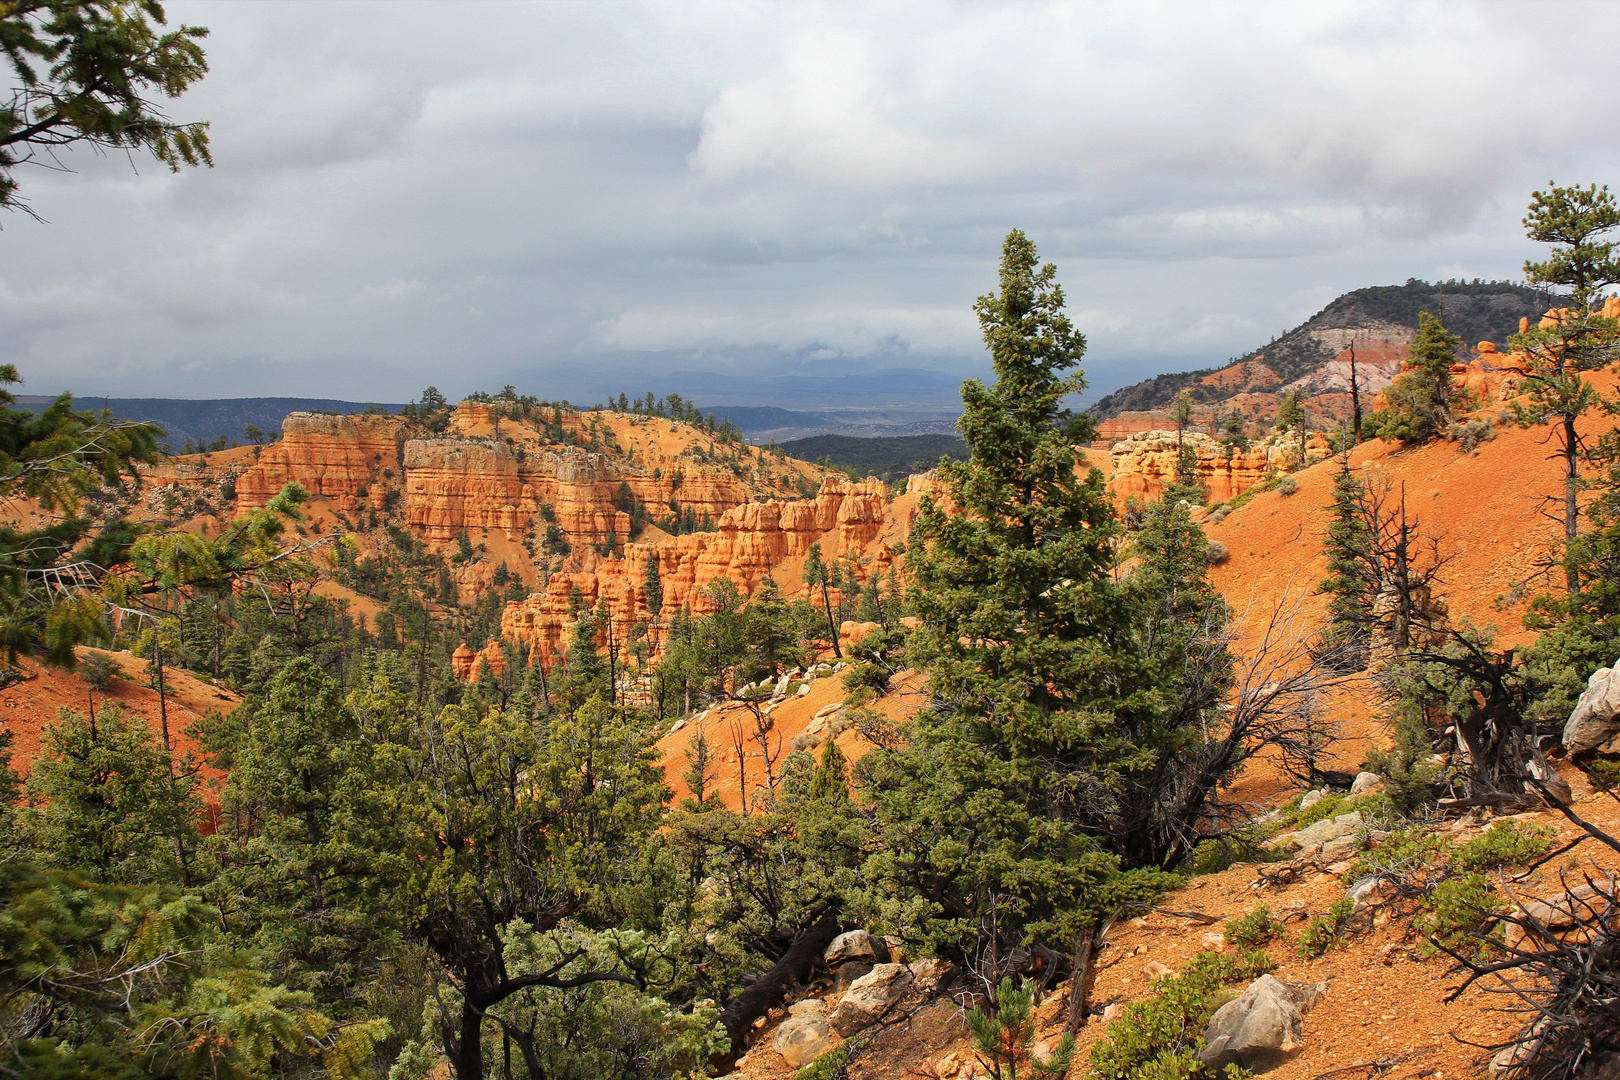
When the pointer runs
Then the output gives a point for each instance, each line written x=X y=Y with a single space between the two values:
x=582 y=198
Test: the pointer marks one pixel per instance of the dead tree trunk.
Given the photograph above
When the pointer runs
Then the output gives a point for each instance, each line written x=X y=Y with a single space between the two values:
x=794 y=967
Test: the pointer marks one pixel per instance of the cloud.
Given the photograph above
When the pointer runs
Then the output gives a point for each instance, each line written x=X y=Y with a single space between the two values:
x=448 y=193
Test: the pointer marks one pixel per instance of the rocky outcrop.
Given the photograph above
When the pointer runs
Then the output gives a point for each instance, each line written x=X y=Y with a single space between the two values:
x=1259 y=1031
x=870 y=996
x=1145 y=462
x=337 y=458
x=1596 y=716
x=805 y=1035
x=750 y=543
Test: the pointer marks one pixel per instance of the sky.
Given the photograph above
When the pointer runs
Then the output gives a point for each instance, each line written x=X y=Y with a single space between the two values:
x=579 y=198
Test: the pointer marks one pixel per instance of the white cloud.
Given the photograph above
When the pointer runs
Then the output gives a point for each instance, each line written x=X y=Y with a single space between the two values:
x=465 y=189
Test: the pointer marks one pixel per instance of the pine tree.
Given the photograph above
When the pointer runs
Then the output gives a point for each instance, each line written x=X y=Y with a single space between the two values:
x=831 y=778
x=653 y=586
x=1580 y=338
x=989 y=821
x=1353 y=579
x=1420 y=400
x=818 y=576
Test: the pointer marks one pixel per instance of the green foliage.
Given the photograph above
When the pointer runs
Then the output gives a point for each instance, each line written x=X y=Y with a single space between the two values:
x=185 y=1006
x=1003 y=1037
x=830 y=1066
x=1254 y=929
x=1159 y=1039
x=889 y=457
x=1470 y=433
x=1058 y=723
x=99 y=671
x=1322 y=809
x=1321 y=933
x=1408 y=854
x=83 y=72
x=309 y=846
x=1290 y=417
x=1580 y=339
x=1420 y=399
x=105 y=799
x=1224 y=852
x=1506 y=843
x=653 y=583
x=1459 y=909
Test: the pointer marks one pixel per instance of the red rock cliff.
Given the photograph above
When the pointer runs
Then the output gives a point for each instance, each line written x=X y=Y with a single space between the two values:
x=1146 y=462
x=753 y=541
x=334 y=457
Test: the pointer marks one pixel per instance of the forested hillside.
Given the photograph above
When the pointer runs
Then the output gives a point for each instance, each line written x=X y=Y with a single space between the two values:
x=889 y=458
x=512 y=739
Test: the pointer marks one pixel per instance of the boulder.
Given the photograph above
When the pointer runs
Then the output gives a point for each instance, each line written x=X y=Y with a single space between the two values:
x=848 y=972
x=1320 y=832
x=1340 y=848
x=1596 y=716
x=1259 y=1031
x=870 y=996
x=855 y=945
x=801 y=1039
x=1365 y=782
x=931 y=973
x=808 y=1007
x=1312 y=798
x=1559 y=913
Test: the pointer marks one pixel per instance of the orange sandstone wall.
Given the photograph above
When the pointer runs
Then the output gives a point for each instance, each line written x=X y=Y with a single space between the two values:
x=753 y=541
x=482 y=483
x=332 y=456
x=1146 y=462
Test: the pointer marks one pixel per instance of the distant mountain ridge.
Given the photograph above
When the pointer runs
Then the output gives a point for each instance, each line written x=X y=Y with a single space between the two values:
x=205 y=419
x=1379 y=321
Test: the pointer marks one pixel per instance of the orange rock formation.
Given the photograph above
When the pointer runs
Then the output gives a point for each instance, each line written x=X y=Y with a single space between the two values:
x=334 y=457
x=753 y=541
x=1144 y=463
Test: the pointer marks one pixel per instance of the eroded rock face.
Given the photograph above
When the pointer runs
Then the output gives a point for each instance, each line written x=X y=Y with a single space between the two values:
x=334 y=457
x=1145 y=462
x=1260 y=1030
x=871 y=996
x=749 y=543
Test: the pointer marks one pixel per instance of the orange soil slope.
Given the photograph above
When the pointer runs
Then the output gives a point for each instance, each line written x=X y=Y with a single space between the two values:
x=1481 y=508
x=27 y=707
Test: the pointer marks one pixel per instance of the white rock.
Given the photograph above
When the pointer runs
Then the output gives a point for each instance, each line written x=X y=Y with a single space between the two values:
x=1364 y=782
x=1327 y=829
x=1596 y=715
x=1339 y=848
x=1260 y=1030
x=1312 y=798
x=871 y=996
x=802 y=1039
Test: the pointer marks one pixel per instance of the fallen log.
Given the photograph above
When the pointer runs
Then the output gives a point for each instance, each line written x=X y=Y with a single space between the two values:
x=738 y=1017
